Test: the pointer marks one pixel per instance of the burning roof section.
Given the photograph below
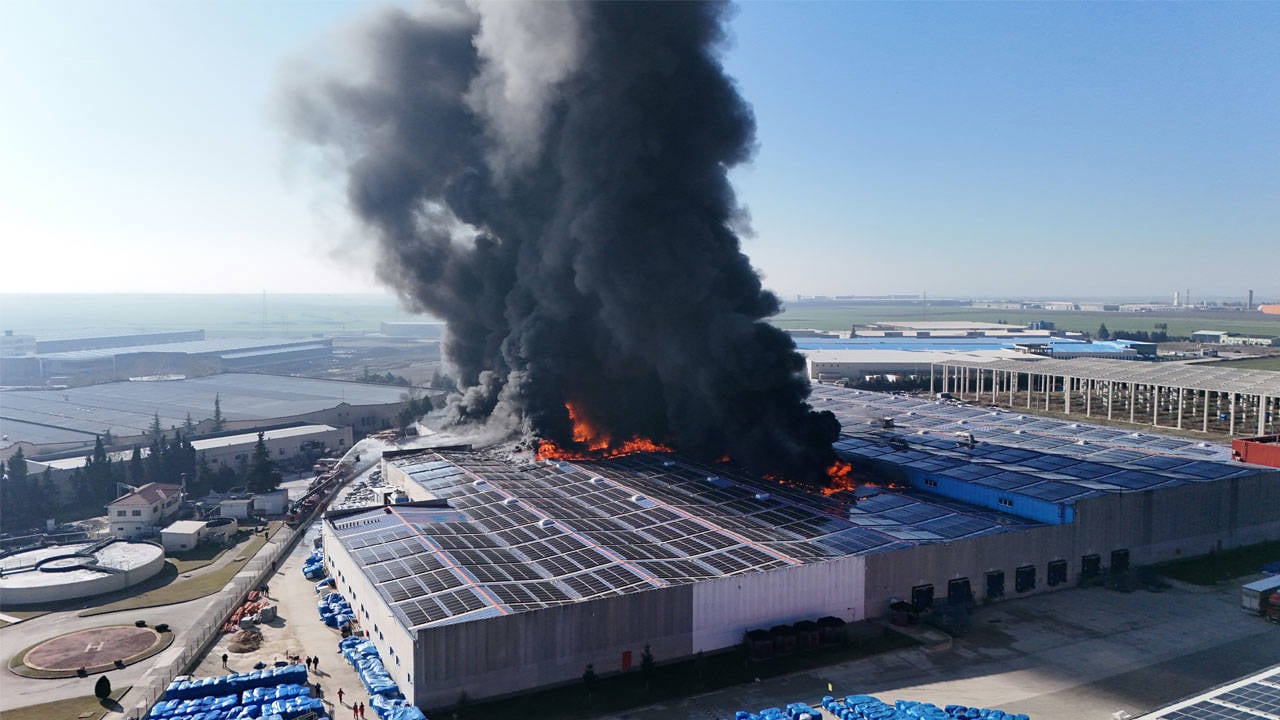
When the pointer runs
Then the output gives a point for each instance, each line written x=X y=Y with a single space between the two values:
x=526 y=536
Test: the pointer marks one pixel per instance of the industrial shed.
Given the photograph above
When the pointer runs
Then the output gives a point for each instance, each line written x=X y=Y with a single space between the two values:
x=504 y=574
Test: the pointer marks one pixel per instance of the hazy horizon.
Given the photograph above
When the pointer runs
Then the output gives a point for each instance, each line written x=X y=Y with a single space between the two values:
x=1053 y=149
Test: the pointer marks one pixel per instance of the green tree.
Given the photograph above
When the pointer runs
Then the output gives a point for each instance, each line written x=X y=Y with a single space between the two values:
x=18 y=466
x=262 y=475
x=1103 y=332
x=187 y=426
x=155 y=431
x=137 y=471
x=102 y=688
x=48 y=495
x=217 y=412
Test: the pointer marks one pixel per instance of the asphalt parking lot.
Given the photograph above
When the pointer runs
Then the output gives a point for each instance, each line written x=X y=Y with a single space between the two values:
x=1081 y=653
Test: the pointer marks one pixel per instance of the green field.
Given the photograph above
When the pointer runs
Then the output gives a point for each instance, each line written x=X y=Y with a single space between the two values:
x=841 y=316
x=1262 y=363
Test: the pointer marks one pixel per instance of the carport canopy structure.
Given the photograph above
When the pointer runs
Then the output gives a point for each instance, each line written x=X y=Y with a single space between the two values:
x=1254 y=393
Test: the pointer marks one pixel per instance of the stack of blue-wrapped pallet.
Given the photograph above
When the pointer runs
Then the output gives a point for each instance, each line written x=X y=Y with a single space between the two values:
x=313 y=566
x=334 y=609
x=866 y=707
x=384 y=695
x=271 y=694
x=794 y=711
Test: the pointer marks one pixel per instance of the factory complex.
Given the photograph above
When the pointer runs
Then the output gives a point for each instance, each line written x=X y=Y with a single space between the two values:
x=503 y=573
x=47 y=422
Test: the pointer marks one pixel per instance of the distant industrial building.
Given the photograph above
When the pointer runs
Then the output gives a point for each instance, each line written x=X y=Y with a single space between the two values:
x=1220 y=337
x=892 y=353
x=48 y=421
x=99 y=360
x=1174 y=395
x=422 y=330
x=283 y=444
x=15 y=345
x=521 y=573
x=118 y=341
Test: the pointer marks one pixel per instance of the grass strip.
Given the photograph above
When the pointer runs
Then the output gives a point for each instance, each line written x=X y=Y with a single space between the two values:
x=88 y=707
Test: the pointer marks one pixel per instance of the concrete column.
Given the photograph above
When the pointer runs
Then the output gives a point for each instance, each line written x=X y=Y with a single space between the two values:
x=1088 y=397
x=1066 y=394
x=1111 y=397
x=931 y=390
x=1181 y=396
x=1231 y=427
x=1155 y=407
x=1013 y=378
x=1031 y=384
x=1205 y=428
x=1262 y=415
x=1048 y=383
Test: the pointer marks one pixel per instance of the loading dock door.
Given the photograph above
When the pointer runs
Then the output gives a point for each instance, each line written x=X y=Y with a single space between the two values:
x=995 y=584
x=959 y=592
x=1119 y=561
x=922 y=596
x=1090 y=567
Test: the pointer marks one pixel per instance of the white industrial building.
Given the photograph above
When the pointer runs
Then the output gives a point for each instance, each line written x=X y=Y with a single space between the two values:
x=505 y=574
x=183 y=535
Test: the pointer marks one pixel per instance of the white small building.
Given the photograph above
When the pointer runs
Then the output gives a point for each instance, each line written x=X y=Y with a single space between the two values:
x=238 y=508
x=144 y=511
x=275 y=502
x=183 y=535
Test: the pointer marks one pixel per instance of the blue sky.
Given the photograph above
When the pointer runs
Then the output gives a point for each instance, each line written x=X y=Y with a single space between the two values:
x=1033 y=149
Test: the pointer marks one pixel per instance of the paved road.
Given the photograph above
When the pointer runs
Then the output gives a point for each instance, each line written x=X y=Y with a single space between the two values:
x=1070 y=654
x=20 y=691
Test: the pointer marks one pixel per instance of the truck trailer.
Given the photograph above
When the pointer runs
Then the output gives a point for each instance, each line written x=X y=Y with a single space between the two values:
x=1254 y=594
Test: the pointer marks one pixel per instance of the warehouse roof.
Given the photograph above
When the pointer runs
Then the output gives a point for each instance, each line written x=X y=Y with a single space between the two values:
x=219 y=346
x=129 y=408
x=1256 y=697
x=1050 y=460
x=1199 y=376
x=527 y=535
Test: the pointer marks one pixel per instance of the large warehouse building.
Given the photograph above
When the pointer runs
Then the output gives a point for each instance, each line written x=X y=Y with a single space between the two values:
x=44 y=422
x=507 y=574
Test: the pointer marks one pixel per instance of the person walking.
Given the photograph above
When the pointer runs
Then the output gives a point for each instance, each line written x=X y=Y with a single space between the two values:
x=355 y=711
x=224 y=659
x=315 y=664
x=361 y=711
x=340 y=693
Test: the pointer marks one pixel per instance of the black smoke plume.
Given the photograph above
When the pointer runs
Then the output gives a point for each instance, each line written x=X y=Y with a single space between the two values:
x=551 y=180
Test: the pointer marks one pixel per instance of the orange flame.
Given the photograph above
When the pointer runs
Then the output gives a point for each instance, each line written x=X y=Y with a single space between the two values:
x=591 y=443
x=839 y=478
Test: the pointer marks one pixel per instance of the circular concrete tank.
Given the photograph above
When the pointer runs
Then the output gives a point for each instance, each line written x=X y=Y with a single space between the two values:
x=65 y=572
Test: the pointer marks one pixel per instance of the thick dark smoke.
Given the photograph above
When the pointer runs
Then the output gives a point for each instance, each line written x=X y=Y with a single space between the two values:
x=551 y=180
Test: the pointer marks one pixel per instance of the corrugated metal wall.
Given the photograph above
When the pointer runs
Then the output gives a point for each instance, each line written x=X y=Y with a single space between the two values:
x=1153 y=526
x=725 y=609
x=503 y=655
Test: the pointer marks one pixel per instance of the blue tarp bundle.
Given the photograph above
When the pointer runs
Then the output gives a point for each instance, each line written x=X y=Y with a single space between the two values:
x=335 y=611
x=384 y=695
x=324 y=585
x=294 y=706
x=388 y=708
x=237 y=683
x=865 y=707
x=265 y=695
